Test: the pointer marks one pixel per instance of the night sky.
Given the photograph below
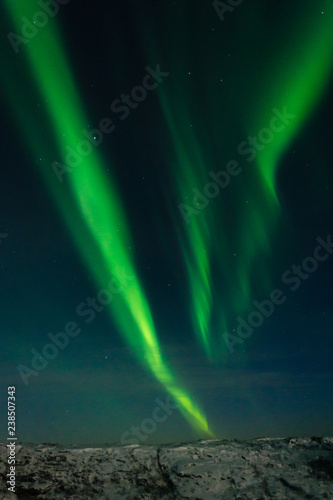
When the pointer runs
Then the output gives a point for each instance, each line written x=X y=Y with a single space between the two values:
x=166 y=217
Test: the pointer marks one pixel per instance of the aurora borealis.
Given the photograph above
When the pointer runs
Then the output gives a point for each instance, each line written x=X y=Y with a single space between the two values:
x=167 y=168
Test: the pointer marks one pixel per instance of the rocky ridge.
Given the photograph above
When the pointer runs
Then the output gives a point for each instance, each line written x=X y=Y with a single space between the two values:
x=260 y=469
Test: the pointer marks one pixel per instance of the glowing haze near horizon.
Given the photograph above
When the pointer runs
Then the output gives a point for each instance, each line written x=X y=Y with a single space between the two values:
x=185 y=269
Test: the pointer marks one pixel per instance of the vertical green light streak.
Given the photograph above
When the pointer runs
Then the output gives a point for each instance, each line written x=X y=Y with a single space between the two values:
x=295 y=84
x=93 y=211
x=298 y=83
x=189 y=170
x=188 y=165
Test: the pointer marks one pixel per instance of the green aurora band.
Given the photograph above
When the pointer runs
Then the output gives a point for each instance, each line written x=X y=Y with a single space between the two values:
x=296 y=84
x=93 y=210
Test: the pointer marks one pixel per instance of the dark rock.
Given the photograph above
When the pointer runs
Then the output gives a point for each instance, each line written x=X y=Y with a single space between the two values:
x=261 y=469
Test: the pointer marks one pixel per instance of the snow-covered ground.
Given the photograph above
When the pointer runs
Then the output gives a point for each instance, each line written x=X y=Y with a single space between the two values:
x=285 y=468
